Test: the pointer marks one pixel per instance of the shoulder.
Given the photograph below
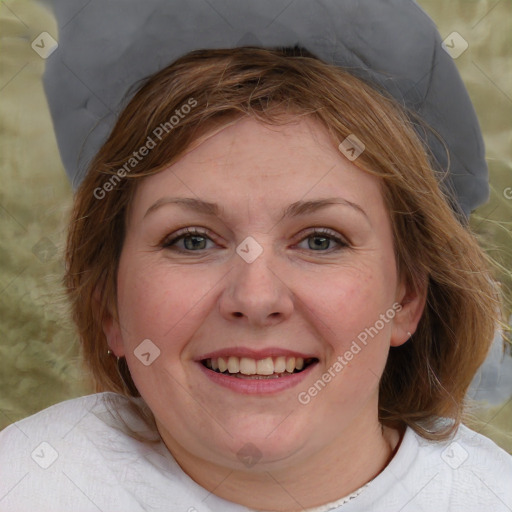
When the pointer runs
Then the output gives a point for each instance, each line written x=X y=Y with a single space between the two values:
x=60 y=419
x=62 y=456
x=463 y=473
x=466 y=473
x=468 y=450
x=480 y=447
x=77 y=422
x=61 y=410
x=478 y=466
x=87 y=420
x=94 y=453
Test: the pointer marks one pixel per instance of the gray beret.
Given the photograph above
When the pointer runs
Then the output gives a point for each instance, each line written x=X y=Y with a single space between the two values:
x=105 y=47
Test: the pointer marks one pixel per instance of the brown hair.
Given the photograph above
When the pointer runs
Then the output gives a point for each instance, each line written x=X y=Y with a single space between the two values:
x=425 y=378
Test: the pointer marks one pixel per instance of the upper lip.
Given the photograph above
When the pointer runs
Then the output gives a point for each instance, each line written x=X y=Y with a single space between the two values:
x=254 y=354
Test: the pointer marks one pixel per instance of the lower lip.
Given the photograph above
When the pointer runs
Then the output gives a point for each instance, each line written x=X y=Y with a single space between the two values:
x=257 y=386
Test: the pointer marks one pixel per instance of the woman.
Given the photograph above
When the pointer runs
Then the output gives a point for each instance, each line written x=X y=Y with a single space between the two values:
x=263 y=250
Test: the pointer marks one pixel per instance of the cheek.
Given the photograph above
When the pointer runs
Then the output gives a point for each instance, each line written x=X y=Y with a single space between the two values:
x=361 y=330
x=156 y=299
x=357 y=337
x=350 y=302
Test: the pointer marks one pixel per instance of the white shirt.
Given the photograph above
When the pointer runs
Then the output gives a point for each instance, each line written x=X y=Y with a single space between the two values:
x=75 y=457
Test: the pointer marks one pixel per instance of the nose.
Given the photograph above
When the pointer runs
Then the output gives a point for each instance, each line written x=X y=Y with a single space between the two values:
x=256 y=293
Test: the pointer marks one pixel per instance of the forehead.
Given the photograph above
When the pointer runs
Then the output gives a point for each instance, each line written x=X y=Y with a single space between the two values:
x=251 y=166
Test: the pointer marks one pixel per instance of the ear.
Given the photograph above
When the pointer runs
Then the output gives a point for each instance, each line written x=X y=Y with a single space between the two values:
x=109 y=324
x=412 y=303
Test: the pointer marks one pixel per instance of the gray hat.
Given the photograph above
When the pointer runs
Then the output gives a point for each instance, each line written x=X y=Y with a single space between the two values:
x=105 y=47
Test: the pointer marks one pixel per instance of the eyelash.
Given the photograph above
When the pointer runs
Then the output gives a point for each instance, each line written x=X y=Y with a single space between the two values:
x=168 y=242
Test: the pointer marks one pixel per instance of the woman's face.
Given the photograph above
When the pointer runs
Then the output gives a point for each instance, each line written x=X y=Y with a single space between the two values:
x=258 y=291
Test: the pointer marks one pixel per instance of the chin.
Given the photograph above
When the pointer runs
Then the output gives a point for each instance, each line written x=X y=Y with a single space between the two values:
x=259 y=442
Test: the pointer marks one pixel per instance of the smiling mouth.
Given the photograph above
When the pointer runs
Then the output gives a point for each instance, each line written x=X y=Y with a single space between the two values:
x=268 y=368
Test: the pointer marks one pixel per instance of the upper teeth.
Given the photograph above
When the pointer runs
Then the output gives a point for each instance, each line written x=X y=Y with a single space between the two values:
x=249 y=366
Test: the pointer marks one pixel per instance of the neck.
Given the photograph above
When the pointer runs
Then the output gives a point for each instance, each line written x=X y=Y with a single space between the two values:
x=355 y=458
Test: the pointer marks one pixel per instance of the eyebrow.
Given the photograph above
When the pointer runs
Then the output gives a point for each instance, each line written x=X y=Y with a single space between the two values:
x=293 y=210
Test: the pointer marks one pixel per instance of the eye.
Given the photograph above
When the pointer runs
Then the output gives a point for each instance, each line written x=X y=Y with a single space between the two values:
x=322 y=238
x=193 y=238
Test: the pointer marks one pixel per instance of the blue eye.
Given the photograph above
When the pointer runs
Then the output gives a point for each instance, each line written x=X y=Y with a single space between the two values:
x=194 y=240
x=324 y=237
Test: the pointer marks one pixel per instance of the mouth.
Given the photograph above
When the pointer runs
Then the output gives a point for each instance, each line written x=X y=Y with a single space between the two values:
x=258 y=369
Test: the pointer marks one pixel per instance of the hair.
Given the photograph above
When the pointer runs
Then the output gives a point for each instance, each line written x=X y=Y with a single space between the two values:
x=424 y=379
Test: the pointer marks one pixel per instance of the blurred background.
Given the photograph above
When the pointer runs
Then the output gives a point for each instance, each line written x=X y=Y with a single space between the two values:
x=39 y=351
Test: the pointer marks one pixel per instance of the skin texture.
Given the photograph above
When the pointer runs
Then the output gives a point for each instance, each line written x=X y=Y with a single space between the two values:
x=294 y=296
